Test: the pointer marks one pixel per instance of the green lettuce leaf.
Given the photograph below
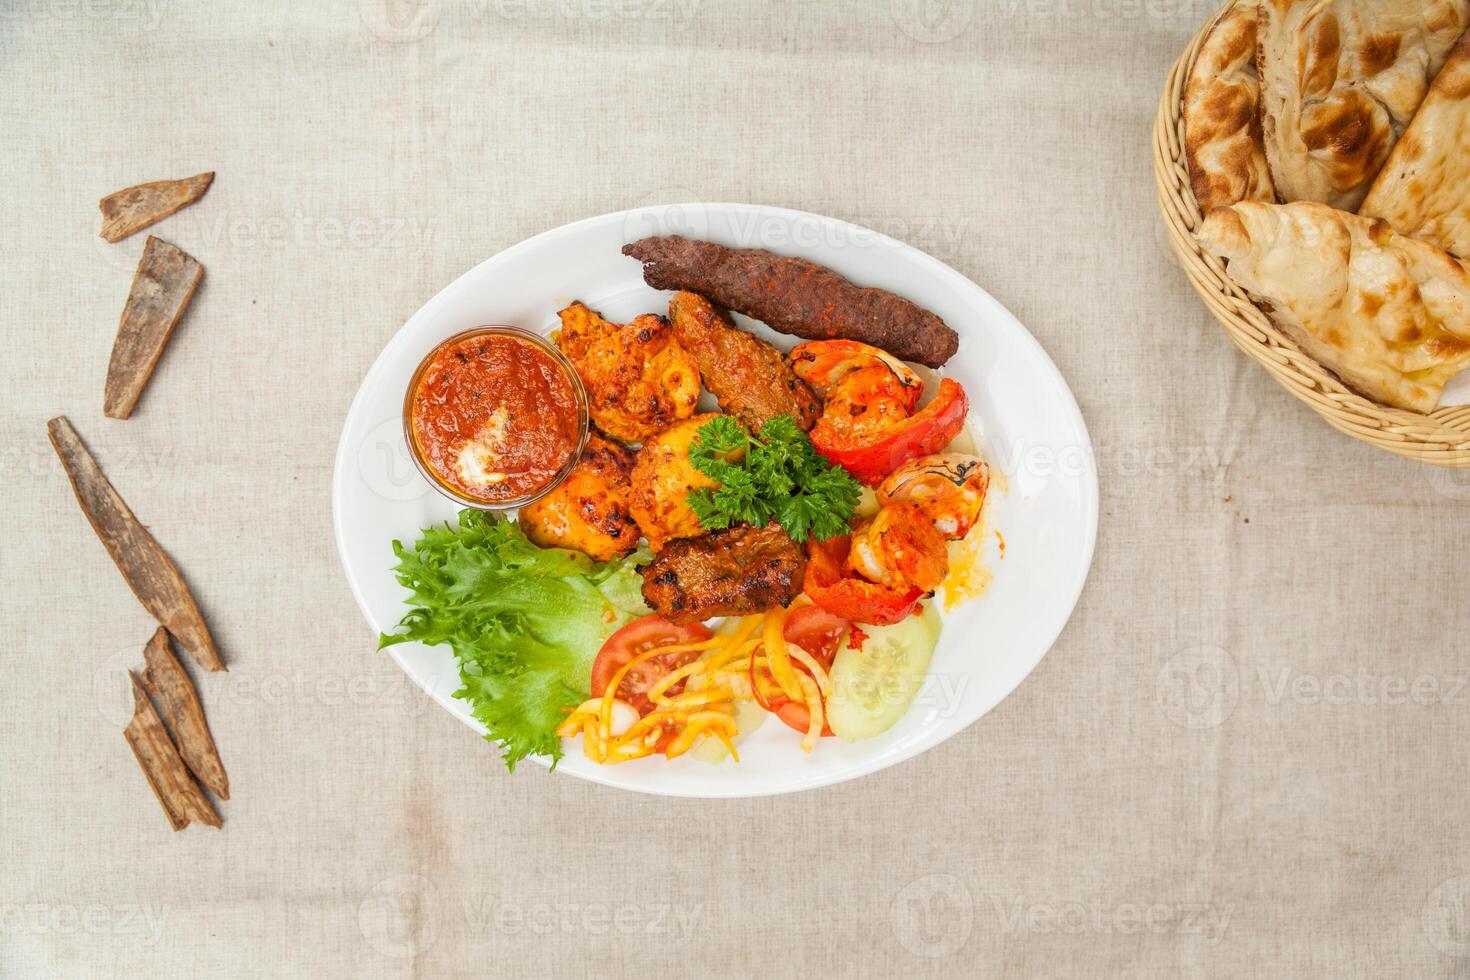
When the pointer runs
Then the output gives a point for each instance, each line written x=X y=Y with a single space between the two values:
x=524 y=622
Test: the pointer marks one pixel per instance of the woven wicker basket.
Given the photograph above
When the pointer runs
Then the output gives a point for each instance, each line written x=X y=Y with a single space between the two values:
x=1441 y=437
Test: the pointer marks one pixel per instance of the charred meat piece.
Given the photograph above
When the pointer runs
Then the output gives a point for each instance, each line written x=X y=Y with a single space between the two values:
x=638 y=378
x=589 y=511
x=736 y=572
x=748 y=376
x=795 y=296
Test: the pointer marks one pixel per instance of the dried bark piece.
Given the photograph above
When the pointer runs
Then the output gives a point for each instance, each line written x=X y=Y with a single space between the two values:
x=162 y=287
x=169 y=685
x=183 y=801
x=134 y=208
x=154 y=578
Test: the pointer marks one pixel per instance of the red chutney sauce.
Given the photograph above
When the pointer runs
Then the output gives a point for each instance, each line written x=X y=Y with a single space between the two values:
x=495 y=417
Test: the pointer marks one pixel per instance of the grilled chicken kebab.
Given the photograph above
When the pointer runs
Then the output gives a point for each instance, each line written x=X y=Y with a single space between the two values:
x=589 y=511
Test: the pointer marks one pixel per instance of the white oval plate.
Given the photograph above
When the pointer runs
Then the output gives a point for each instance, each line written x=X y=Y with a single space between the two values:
x=1022 y=413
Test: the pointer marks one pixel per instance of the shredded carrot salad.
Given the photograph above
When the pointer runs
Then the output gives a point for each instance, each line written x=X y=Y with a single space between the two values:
x=720 y=677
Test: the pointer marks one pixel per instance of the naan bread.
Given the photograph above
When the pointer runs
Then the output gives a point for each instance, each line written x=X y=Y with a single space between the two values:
x=1222 y=115
x=1388 y=314
x=1424 y=189
x=1340 y=80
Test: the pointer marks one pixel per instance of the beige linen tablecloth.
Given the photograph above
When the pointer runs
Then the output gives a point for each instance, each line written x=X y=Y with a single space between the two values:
x=1245 y=756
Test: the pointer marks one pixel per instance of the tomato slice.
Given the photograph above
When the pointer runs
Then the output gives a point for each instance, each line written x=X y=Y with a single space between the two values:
x=636 y=638
x=828 y=584
x=769 y=696
x=870 y=456
x=816 y=631
x=819 y=633
x=799 y=717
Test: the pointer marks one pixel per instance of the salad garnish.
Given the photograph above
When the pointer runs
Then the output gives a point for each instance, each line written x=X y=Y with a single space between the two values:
x=776 y=475
x=524 y=622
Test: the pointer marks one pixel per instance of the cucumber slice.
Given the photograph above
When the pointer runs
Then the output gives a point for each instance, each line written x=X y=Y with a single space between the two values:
x=874 y=686
x=748 y=717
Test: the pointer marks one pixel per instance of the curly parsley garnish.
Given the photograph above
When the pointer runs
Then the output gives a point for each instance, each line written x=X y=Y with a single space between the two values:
x=776 y=474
